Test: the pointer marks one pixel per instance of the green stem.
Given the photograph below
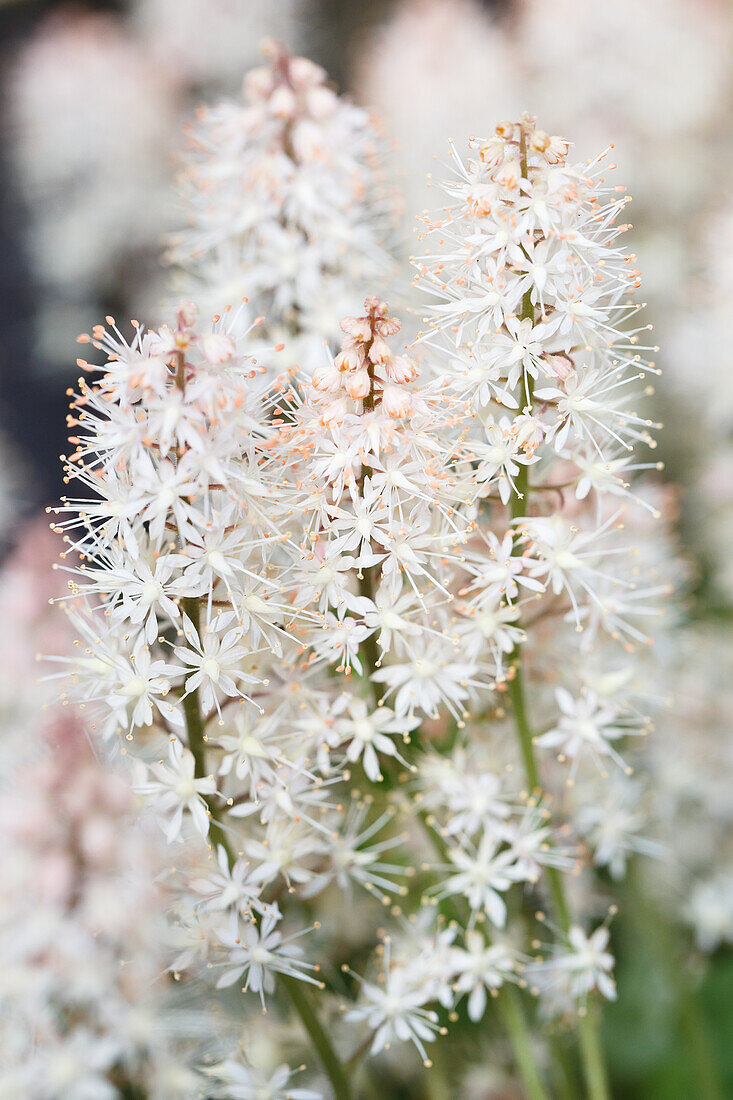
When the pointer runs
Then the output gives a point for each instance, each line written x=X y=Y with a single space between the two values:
x=301 y=1001
x=196 y=731
x=510 y=1006
x=564 y=1072
x=321 y=1042
x=517 y=696
x=592 y=1057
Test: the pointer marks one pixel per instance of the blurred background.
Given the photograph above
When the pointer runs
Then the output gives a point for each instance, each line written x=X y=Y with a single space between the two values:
x=94 y=97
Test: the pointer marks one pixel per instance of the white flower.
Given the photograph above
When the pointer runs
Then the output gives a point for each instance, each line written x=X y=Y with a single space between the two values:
x=237 y=1081
x=394 y=1011
x=353 y=859
x=217 y=659
x=573 y=971
x=480 y=967
x=173 y=788
x=229 y=887
x=587 y=726
x=475 y=801
x=366 y=733
x=710 y=911
x=482 y=873
x=426 y=682
x=258 y=951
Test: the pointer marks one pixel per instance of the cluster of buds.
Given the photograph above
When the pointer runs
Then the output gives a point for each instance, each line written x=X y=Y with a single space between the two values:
x=366 y=369
x=293 y=91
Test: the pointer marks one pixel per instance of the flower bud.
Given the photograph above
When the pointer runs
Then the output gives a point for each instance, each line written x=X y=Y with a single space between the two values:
x=358 y=384
x=396 y=401
x=304 y=72
x=334 y=411
x=326 y=378
x=387 y=326
x=380 y=350
x=357 y=327
x=187 y=314
x=350 y=358
x=282 y=102
x=258 y=83
x=557 y=150
x=401 y=368
x=320 y=103
x=559 y=366
x=376 y=305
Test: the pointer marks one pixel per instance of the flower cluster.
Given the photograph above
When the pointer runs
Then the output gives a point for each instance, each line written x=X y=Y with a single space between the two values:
x=306 y=605
x=287 y=205
x=532 y=312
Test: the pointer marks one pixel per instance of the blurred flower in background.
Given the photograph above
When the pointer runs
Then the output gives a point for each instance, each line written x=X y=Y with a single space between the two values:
x=96 y=102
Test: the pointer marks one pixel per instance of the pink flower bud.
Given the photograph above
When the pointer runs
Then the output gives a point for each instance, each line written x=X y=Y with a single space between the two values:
x=396 y=401
x=506 y=130
x=306 y=138
x=401 y=368
x=350 y=358
x=380 y=350
x=258 y=83
x=509 y=174
x=335 y=411
x=305 y=73
x=187 y=314
x=561 y=366
x=557 y=150
x=282 y=102
x=320 y=103
x=326 y=378
x=357 y=327
x=358 y=384
x=493 y=152
x=375 y=305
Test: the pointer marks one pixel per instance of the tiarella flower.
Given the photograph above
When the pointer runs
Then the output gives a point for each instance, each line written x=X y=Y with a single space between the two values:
x=287 y=850
x=481 y=969
x=365 y=735
x=572 y=972
x=483 y=872
x=216 y=658
x=332 y=595
x=229 y=887
x=354 y=860
x=475 y=800
x=613 y=822
x=710 y=912
x=394 y=1011
x=173 y=789
x=586 y=726
x=258 y=952
x=287 y=205
x=235 y=1080
x=251 y=749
